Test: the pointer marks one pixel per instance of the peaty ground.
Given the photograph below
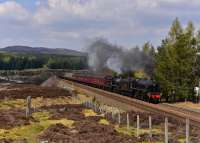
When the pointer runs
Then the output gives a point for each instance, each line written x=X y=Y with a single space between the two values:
x=59 y=117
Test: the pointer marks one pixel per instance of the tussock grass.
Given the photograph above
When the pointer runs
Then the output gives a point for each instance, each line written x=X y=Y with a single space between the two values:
x=39 y=102
x=89 y=112
x=104 y=122
x=30 y=132
x=12 y=103
x=182 y=140
x=150 y=142
x=188 y=105
x=133 y=131
x=36 y=102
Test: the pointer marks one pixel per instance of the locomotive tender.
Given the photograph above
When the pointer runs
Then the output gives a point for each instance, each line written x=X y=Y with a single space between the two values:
x=143 y=89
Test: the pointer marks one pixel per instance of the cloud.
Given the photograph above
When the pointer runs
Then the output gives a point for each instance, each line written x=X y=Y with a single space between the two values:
x=69 y=23
x=92 y=18
x=91 y=9
x=38 y=3
x=13 y=10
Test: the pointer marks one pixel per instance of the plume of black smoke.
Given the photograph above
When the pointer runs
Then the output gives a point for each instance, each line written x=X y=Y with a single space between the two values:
x=103 y=54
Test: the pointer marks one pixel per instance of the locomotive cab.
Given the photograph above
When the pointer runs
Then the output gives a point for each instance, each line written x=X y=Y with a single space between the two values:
x=122 y=85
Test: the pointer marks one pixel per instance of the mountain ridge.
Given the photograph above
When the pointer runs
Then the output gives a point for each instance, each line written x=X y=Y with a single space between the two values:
x=19 y=49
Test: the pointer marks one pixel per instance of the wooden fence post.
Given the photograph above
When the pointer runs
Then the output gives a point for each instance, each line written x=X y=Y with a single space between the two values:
x=90 y=104
x=187 y=130
x=119 y=118
x=106 y=115
x=95 y=107
x=100 y=109
x=28 y=106
x=166 y=130
x=138 y=125
x=127 y=119
x=113 y=118
x=150 y=127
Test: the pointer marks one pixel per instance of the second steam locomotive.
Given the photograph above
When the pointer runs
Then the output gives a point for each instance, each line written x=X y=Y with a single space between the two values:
x=143 y=89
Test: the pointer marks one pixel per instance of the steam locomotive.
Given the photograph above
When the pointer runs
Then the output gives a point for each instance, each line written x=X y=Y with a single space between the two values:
x=143 y=89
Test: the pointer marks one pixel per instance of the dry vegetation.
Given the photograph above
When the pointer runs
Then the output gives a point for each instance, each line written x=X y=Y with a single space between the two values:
x=53 y=109
x=60 y=116
x=189 y=105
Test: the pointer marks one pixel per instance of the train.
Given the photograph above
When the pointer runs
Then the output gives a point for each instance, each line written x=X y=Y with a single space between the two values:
x=142 y=89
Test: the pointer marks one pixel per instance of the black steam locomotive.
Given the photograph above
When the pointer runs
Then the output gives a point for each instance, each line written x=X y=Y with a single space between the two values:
x=143 y=89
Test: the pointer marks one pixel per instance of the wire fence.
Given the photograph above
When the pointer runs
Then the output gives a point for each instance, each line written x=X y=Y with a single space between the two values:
x=137 y=122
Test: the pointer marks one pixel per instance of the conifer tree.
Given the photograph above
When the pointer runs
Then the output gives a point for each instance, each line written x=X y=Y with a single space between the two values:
x=175 y=61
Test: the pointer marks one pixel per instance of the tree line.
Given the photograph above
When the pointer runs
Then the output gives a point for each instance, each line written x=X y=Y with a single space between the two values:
x=10 y=61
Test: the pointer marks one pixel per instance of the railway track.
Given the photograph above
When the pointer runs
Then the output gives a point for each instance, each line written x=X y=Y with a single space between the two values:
x=162 y=109
x=187 y=111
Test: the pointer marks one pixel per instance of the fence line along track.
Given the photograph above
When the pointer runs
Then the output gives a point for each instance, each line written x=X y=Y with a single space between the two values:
x=169 y=111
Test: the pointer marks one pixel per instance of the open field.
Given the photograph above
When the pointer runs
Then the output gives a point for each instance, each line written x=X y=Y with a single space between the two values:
x=59 y=116
x=189 y=105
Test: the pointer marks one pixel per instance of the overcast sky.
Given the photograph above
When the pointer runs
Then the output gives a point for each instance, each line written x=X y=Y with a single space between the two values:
x=72 y=23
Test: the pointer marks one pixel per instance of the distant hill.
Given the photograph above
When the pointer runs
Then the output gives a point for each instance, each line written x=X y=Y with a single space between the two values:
x=41 y=50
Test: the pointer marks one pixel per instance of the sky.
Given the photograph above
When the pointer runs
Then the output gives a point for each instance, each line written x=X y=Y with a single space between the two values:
x=73 y=24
